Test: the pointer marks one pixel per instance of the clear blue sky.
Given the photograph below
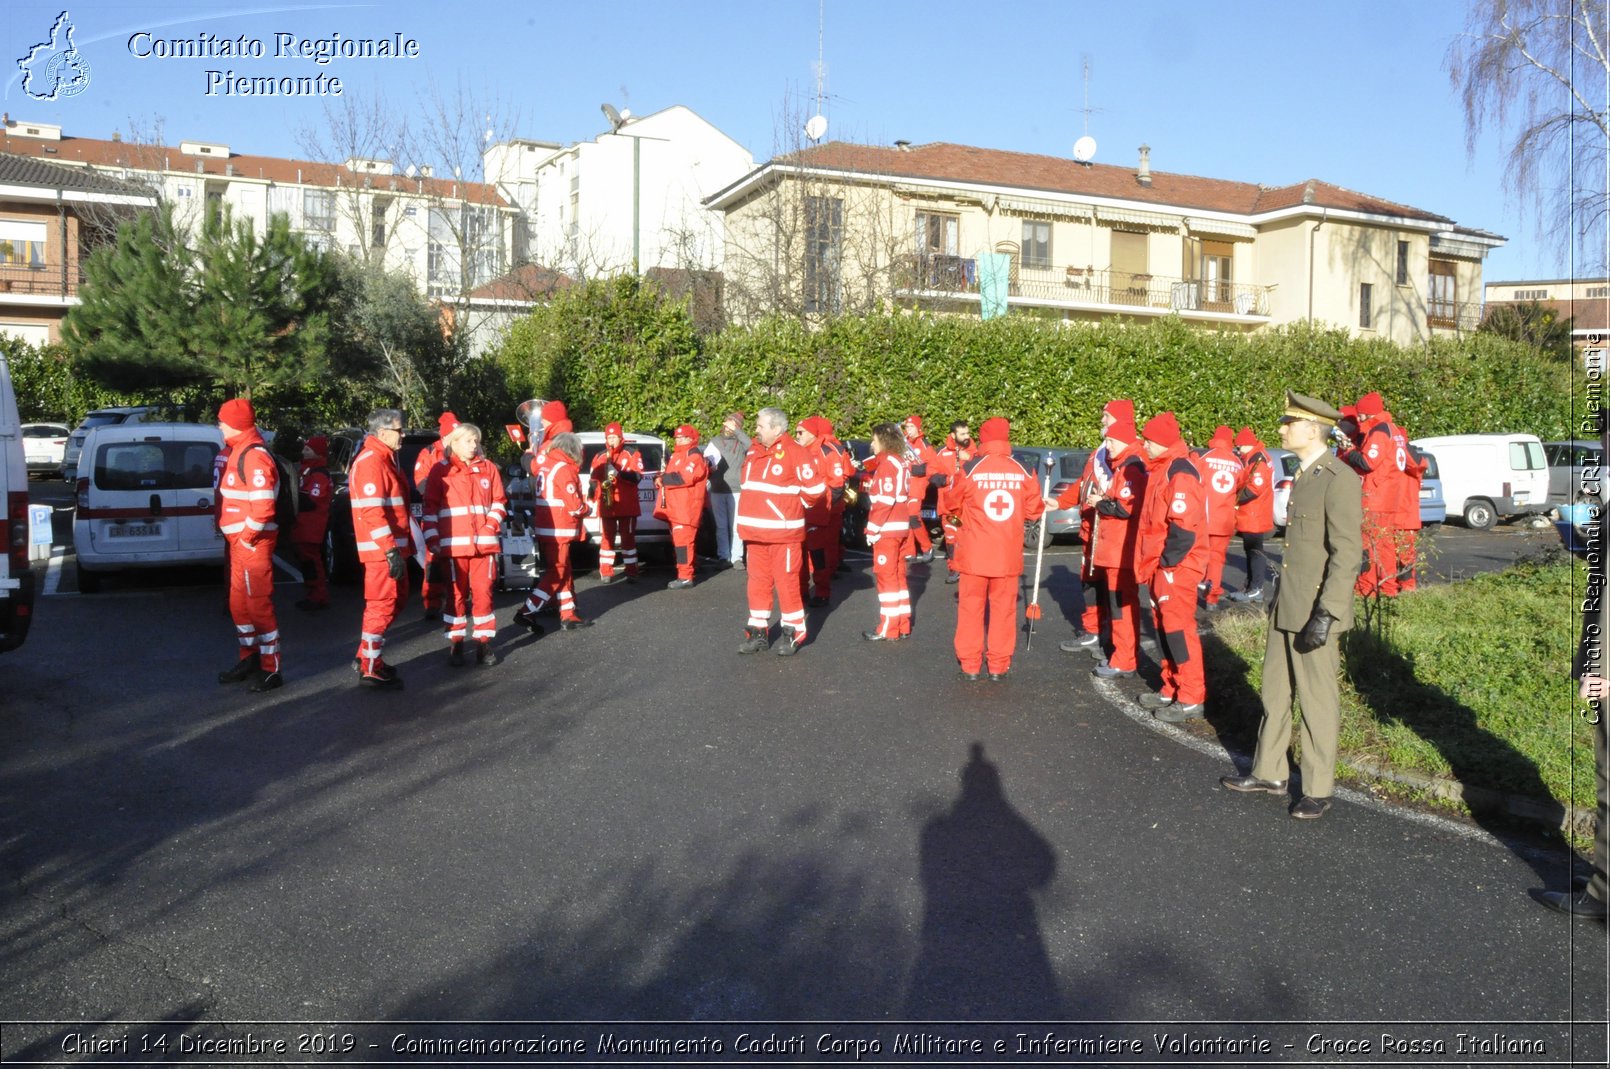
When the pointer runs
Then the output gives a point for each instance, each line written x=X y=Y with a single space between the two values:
x=1355 y=93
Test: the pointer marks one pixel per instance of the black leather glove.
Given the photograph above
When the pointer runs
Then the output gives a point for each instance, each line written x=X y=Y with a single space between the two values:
x=1314 y=632
x=395 y=565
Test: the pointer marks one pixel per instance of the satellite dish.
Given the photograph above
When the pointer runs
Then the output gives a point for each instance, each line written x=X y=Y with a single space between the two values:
x=1084 y=149
x=615 y=118
x=816 y=127
x=409 y=170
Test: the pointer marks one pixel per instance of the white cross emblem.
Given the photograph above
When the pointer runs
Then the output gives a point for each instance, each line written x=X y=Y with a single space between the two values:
x=999 y=505
x=1223 y=482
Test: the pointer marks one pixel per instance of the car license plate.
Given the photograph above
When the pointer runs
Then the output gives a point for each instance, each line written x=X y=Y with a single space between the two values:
x=135 y=530
x=35 y=458
x=517 y=545
x=1425 y=493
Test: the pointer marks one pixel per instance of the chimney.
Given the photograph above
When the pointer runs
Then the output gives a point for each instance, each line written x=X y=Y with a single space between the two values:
x=903 y=146
x=229 y=170
x=116 y=136
x=1144 y=175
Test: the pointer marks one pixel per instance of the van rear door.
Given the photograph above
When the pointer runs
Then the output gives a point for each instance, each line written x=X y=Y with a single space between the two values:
x=192 y=453
x=1529 y=472
x=130 y=498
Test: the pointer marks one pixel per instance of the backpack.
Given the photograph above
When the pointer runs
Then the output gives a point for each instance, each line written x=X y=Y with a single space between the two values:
x=287 y=502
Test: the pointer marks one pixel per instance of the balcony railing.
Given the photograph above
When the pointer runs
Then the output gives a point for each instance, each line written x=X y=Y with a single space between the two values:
x=1462 y=316
x=38 y=280
x=1085 y=285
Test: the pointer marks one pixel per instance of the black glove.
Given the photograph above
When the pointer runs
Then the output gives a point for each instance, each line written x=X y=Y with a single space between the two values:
x=1314 y=632
x=396 y=567
x=671 y=478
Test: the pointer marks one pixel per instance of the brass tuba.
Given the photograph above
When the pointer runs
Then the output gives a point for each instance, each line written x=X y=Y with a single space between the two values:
x=529 y=415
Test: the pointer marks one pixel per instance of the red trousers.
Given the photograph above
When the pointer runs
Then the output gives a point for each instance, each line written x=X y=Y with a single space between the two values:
x=314 y=577
x=894 y=598
x=1380 y=557
x=251 y=601
x=683 y=536
x=1218 y=549
x=383 y=599
x=999 y=594
x=619 y=537
x=1407 y=541
x=471 y=613
x=1174 y=601
x=774 y=568
x=1121 y=598
x=557 y=579
x=951 y=532
x=919 y=529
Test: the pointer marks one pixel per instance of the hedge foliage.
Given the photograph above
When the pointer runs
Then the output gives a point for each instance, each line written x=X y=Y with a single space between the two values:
x=615 y=350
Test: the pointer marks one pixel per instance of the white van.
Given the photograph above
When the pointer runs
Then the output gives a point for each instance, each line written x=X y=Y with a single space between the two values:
x=145 y=499
x=16 y=579
x=1486 y=477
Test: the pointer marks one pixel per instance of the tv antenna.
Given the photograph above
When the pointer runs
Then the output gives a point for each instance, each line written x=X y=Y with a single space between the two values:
x=816 y=125
x=1084 y=149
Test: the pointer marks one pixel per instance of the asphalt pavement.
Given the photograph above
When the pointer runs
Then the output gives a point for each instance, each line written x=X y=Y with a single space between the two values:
x=634 y=823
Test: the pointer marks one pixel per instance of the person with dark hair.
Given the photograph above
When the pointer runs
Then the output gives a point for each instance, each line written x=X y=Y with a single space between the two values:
x=725 y=455
x=434 y=589
x=616 y=472
x=680 y=501
x=953 y=456
x=888 y=488
x=1254 y=512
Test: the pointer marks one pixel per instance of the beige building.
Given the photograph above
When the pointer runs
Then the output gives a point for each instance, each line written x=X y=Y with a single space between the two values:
x=50 y=219
x=1584 y=301
x=842 y=227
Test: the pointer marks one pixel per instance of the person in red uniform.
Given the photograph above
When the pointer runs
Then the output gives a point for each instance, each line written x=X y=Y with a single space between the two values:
x=924 y=466
x=816 y=570
x=434 y=588
x=1222 y=477
x=957 y=451
x=1114 y=539
x=1381 y=464
x=249 y=486
x=380 y=526
x=1172 y=556
x=1090 y=489
x=616 y=472
x=780 y=481
x=1254 y=512
x=313 y=521
x=997 y=498
x=888 y=522
x=684 y=482
x=839 y=454
x=464 y=510
x=556 y=521
x=1408 y=520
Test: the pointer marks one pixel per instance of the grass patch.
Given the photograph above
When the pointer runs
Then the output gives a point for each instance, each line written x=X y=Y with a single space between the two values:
x=1466 y=681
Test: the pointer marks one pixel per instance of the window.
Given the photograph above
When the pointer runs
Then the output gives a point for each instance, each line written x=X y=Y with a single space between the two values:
x=938 y=234
x=318 y=209
x=1599 y=291
x=22 y=244
x=1441 y=310
x=1526 y=456
x=377 y=229
x=824 y=249
x=1365 y=311
x=1403 y=263
x=1209 y=263
x=1036 y=244
x=173 y=465
x=1531 y=295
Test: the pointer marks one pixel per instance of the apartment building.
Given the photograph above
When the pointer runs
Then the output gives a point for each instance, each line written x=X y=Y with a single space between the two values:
x=842 y=227
x=51 y=217
x=1584 y=301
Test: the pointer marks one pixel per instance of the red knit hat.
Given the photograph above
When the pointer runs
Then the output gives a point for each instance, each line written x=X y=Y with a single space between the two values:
x=1371 y=404
x=1349 y=412
x=687 y=430
x=319 y=445
x=1221 y=433
x=1162 y=428
x=1123 y=431
x=995 y=429
x=1246 y=437
x=916 y=421
x=1120 y=409
x=615 y=429
x=554 y=411
x=237 y=413
x=447 y=424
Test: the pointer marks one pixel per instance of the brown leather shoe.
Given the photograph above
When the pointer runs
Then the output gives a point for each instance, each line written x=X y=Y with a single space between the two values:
x=1310 y=808
x=1249 y=784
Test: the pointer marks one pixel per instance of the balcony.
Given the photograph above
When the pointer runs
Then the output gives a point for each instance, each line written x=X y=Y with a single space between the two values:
x=1460 y=316
x=1085 y=289
x=37 y=280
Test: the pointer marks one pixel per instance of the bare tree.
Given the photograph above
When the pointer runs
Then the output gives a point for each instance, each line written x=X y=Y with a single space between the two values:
x=1538 y=73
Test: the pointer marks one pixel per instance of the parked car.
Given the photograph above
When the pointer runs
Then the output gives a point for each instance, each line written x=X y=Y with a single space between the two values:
x=1576 y=470
x=1487 y=477
x=1066 y=465
x=145 y=499
x=45 y=447
x=1433 y=508
x=16 y=577
x=103 y=417
x=1283 y=464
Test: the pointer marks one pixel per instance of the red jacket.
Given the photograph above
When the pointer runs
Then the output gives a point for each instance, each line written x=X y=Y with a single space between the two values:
x=951 y=459
x=834 y=469
x=464 y=508
x=248 y=503
x=925 y=464
x=1255 y=504
x=313 y=513
x=1173 y=518
x=379 y=502
x=778 y=485
x=1097 y=476
x=997 y=497
x=888 y=491
x=425 y=462
x=623 y=501
x=1115 y=531
x=1382 y=465
x=558 y=505
x=1222 y=477
x=683 y=485
x=1414 y=470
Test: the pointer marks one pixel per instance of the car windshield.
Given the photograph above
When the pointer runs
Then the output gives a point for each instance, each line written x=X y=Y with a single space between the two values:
x=102 y=419
x=1431 y=465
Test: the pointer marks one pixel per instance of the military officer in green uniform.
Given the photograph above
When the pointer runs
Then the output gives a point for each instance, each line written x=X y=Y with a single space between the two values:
x=1324 y=546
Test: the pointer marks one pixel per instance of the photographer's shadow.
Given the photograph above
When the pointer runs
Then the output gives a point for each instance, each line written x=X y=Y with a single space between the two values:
x=983 y=956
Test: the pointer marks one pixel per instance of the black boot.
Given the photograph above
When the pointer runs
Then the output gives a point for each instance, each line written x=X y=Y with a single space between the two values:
x=484 y=654
x=243 y=670
x=787 y=647
x=456 y=657
x=754 y=640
